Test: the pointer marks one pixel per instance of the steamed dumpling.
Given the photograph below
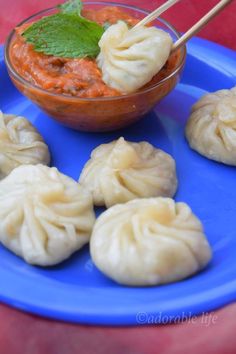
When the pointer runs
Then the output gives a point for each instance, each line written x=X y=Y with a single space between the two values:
x=130 y=58
x=20 y=143
x=211 y=128
x=120 y=171
x=149 y=242
x=45 y=216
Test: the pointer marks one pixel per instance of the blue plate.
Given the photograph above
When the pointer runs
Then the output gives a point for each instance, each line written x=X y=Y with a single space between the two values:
x=75 y=290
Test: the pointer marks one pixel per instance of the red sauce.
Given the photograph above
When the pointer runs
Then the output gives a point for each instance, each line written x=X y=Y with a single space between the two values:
x=74 y=77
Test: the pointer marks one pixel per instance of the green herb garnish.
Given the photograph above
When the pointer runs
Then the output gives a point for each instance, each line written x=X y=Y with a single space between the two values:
x=71 y=7
x=65 y=34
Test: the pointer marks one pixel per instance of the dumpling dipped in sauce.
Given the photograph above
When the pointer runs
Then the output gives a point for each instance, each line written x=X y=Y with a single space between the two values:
x=129 y=58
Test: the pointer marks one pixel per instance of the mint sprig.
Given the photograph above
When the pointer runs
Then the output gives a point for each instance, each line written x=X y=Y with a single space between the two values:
x=71 y=7
x=65 y=34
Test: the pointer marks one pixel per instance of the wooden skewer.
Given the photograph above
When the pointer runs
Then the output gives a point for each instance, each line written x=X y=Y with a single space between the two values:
x=200 y=24
x=156 y=13
x=193 y=30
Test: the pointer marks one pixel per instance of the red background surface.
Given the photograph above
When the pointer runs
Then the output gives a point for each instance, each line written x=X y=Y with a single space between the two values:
x=25 y=334
x=221 y=29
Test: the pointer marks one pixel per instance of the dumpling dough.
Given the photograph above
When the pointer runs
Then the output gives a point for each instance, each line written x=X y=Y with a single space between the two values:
x=20 y=143
x=149 y=242
x=45 y=216
x=120 y=171
x=211 y=128
x=130 y=58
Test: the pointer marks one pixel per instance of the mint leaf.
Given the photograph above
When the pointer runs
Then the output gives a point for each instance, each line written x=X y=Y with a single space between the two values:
x=65 y=35
x=71 y=7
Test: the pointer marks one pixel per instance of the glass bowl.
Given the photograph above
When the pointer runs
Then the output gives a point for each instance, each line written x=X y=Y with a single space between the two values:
x=102 y=113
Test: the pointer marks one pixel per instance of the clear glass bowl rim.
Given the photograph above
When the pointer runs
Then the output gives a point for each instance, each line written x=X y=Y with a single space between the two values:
x=73 y=98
